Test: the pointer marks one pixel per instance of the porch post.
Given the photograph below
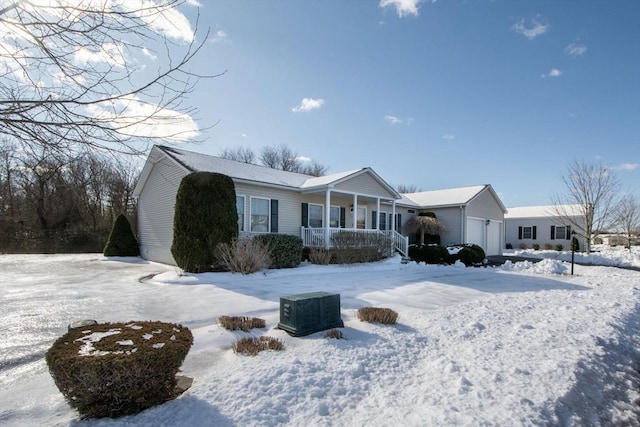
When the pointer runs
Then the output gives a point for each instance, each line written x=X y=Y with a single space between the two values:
x=393 y=215
x=355 y=211
x=327 y=213
x=376 y=224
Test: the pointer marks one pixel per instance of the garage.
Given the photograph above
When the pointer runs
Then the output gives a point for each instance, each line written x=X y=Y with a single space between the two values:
x=485 y=233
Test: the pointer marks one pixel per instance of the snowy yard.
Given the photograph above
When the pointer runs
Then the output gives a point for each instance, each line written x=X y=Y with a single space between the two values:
x=522 y=344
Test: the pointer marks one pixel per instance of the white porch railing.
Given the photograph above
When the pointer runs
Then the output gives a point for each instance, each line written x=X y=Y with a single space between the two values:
x=317 y=237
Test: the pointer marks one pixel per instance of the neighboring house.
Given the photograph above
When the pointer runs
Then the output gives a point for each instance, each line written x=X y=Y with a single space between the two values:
x=469 y=214
x=542 y=226
x=268 y=201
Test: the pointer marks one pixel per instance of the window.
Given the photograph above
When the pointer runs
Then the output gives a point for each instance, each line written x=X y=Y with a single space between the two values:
x=315 y=215
x=259 y=215
x=334 y=217
x=527 y=232
x=240 y=211
x=561 y=233
x=384 y=221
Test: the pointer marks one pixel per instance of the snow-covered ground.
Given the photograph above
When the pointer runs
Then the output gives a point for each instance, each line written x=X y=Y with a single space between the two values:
x=522 y=344
x=600 y=255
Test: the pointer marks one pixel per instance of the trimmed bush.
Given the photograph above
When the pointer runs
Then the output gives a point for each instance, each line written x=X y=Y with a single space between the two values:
x=508 y=246
x=535 y=247
x=285 y=250
x=251 y=346
x=243 y=256
x=234 y=323
x=121 y=241
x=378 y=315
x=522 y=246
x=431 y=254
x=469 y=255
x=205 y=216
x=116 y=369
x=575 y=244
x=547 y=246
x=559 y=247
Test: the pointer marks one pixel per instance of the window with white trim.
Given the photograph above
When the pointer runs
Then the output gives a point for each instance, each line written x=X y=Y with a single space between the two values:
x=527 y=232
x=260 y=212
x=561 y=233
x=315 y=215
x=240 y=211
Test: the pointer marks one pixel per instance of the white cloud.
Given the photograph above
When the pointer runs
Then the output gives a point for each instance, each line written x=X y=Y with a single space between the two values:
x=448 y=137
x=195 y=3
x=625 y=167
x=219 y=36
x=308 y=104
x=135 y=117
x=108 y=53
x=554 y=72
x=167 y=21
x=574 y=50
x=537 y=27
x=403 y=7
x=303 y=159
x=398 y=120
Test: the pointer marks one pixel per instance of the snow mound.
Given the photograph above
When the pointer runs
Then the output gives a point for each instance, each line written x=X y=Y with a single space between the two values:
x=546 y=266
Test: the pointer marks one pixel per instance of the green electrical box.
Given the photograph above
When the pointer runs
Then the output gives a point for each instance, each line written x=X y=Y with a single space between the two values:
x=304 y=314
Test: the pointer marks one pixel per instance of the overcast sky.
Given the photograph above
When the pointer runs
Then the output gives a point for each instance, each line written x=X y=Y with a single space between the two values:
x=436 y=94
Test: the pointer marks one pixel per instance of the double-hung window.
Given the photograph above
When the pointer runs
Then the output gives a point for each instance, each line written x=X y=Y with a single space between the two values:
x=561 y=233
x=334 y=217
x=260 y=214
x=315 y=215
x=527 y=232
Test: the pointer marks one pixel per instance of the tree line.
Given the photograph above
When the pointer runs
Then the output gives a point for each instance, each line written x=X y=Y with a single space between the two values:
x=52 y=201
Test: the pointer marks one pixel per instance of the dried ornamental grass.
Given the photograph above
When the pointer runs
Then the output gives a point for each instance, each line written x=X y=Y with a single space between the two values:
x=116 y=369
x=234 y=323
x=335 y=334
x=251 y=346
x=378 y=315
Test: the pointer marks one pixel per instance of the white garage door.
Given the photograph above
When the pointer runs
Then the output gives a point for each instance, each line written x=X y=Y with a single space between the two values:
x=475 y=231
x=488 y=237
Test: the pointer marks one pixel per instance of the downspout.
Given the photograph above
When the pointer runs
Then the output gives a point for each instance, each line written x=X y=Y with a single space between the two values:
x=462 y=224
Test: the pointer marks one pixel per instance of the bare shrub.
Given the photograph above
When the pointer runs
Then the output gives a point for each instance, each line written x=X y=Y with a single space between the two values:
x=234 y=323
x=334 y=333
x=378 y=315
x=251 y=346
x=547 y=246
x=522 y=246
x=244 y=256
x=320 y=256
x=354 y=247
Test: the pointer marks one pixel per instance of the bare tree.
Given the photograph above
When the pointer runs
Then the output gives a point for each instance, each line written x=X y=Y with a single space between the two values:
x=313 y=168
x=80 y=74
x=280 y=157
x=410 y=188
x=593 y=188
x=239 y=154
x=626 y=217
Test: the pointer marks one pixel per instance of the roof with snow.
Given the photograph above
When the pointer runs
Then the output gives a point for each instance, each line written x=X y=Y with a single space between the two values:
x=543 y=211
x=262 y=174
x=447 y=197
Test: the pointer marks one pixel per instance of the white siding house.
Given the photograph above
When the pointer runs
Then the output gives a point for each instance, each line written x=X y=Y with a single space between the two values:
x=268 y=201
x=542 y=226
x=469 y=214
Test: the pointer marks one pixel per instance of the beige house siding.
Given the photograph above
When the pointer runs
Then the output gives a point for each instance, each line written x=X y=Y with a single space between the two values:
x=364 y=184
x=155 y=211
x=451 y=218
x=485 y=206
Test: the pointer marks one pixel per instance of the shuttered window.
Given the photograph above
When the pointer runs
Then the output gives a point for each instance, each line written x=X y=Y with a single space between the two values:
x=240 y=211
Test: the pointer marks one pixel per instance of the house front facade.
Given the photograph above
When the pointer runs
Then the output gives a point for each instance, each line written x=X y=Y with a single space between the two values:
x=541 y=227
x=267 y=201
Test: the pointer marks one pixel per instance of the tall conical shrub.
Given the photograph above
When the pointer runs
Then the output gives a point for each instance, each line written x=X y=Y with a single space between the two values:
x=205 y=216
x=121 y=241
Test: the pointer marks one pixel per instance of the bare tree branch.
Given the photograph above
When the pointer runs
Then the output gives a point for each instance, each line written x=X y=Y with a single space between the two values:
x=73 y=74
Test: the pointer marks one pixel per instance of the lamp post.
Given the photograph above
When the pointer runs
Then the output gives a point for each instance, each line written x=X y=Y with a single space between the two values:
x=573 y=249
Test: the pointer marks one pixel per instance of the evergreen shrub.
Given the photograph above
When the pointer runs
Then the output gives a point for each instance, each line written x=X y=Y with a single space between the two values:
x=205 y=216
x=430 y=254
x=121 y=241
x=117 y=369
x=469 y=254
x=285 y=249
